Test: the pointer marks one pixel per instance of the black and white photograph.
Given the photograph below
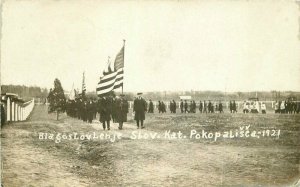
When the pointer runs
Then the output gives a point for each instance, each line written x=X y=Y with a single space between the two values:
x=150 y=93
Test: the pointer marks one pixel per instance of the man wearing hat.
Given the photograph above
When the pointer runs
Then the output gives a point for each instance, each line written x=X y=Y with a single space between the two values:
x=121 y=110
x=105 y=112
x=139 y=107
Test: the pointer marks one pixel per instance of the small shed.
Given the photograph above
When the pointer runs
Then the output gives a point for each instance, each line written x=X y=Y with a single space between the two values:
x=185 y=97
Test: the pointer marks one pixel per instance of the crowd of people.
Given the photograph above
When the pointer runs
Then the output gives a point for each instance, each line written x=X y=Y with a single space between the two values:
x=109 y=108
x=115 y=108
x=213 y=107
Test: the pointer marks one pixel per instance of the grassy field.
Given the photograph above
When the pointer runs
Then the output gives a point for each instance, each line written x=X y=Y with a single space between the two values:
x=270 y=158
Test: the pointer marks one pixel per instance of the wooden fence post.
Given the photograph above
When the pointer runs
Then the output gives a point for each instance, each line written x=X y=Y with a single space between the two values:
x=8 y=109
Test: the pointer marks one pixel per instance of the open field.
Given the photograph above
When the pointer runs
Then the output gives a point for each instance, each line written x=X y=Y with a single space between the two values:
x=239 y=161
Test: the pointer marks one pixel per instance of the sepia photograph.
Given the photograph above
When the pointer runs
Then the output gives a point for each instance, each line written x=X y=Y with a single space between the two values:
x=150 y=93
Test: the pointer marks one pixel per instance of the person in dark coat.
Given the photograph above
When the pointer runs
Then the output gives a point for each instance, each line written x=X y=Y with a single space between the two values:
x=151 y=107
x=204 y=107
x=90 y=111
x=174 y=106
x=194 y=106
x=139 y=108
x=114 y=109
x=79 y=109
x=163 y=107
x=159 y=107
x=181 y=106
x=234 y=107
x=191 y=107
x=201 y=107
x=230 y=107
x=185 y=107
x=121 y=111
x=84 y=111
x=220 y=107
x=171 y=106
x=210 y=107
x=3 y=115
x=105 y=112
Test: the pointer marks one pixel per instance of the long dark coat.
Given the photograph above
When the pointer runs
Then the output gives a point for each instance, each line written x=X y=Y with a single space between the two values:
x=201 y=106
x=114 y=109
x=139 y=107
x=151 y=107
x=90 y=112
x=121 y=110
x=3 y=115
x=105 y=109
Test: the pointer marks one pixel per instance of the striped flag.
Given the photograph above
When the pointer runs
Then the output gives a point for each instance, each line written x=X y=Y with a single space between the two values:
x=114 y=79
x=119 y=61
x=119 y=68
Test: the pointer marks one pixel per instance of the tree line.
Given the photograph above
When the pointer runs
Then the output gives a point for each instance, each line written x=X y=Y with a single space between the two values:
x=25 y=92
x=28 y=92
x=211 y=95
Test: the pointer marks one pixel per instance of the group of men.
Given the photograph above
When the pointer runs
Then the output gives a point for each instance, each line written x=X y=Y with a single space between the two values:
x=204 y=107
x=83 y=109
x=109 y=107
x=161 y=107
x=187 y=108
x=287 y=107
x=232 y=107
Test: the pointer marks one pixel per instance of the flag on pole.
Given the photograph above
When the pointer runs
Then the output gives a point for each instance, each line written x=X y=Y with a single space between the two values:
x=112 y=79
x=119 y=61
x=72 y=93
x=83 y=84
x=119 y=68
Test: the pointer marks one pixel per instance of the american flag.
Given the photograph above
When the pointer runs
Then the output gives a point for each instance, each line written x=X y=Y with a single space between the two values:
x=113 y=79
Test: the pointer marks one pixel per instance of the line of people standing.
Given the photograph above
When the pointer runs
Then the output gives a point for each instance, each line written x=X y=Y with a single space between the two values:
x=204 y=107
x=288 y=107
x=109 y=108
x=161 y=107
x=84 y=110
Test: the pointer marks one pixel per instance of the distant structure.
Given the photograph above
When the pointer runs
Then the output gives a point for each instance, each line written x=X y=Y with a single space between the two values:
x=185 y=97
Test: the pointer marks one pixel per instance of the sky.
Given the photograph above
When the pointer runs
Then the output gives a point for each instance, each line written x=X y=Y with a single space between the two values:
x=170 y=45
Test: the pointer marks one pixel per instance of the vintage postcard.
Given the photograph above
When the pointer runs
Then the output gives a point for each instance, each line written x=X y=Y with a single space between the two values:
x=150 y=93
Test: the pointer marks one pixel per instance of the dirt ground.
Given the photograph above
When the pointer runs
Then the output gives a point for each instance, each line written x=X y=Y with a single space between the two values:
x=28 y=160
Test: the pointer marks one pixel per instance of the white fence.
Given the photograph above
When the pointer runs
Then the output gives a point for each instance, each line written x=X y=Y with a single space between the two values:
x=16 y=110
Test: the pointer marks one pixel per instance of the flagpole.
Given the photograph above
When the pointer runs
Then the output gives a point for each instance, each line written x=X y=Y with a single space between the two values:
x=124 y=61
x=83 y=84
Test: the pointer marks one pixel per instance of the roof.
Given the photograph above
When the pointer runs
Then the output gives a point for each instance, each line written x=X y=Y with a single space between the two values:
x=185 y=97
